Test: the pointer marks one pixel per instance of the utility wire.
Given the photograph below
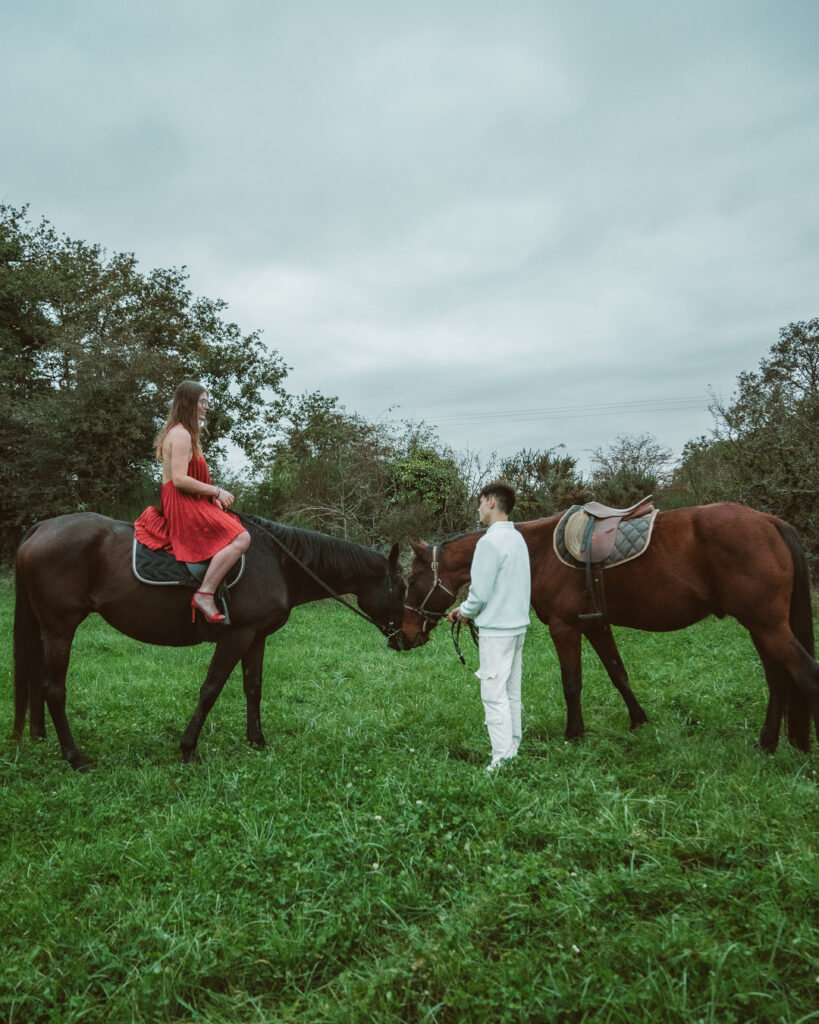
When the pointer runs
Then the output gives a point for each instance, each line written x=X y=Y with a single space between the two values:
x=660 y=405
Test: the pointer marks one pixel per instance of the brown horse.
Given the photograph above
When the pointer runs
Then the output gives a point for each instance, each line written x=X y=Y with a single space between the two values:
x=73 y=565
x=722 y=559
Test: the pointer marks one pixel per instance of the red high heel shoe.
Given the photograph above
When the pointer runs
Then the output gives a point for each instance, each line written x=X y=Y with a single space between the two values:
x=216 y=619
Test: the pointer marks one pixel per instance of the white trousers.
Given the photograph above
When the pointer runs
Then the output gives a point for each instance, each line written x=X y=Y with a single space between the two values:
x=499 y=674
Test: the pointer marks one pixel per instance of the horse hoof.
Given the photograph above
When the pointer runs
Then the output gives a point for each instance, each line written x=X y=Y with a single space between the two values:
x=75 y=758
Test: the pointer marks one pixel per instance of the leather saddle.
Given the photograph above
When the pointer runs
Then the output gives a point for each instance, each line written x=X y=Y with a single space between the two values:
x=594 y=537
x=591 y=531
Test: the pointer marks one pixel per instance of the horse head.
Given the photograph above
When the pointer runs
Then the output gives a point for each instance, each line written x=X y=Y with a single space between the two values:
x=383 y=599
x=431 y=590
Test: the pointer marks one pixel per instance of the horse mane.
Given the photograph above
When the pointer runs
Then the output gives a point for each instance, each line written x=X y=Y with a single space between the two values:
x=461 y=536
x=323 y=553
x=474 y=533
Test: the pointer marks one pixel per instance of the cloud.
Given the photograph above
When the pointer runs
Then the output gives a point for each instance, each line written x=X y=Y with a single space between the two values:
x=448 y=209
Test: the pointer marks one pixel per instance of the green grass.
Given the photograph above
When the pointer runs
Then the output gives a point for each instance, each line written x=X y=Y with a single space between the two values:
x=364 y=868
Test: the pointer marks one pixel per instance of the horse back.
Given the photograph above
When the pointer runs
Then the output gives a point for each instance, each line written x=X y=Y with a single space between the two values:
x=69 y=537
x=719 y=559
x=735 y=538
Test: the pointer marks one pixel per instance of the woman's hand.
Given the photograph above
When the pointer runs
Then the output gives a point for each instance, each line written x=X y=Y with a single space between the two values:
x=224 y=499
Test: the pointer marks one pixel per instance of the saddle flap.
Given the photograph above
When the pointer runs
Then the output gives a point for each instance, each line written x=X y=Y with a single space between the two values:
x=586 y=534
x=604 y=534
x=574 y=532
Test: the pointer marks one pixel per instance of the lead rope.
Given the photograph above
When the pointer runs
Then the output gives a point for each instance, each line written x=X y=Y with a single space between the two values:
x=455 y=630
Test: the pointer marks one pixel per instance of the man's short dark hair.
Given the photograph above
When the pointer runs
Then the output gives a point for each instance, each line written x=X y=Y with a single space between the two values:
x=502 y=492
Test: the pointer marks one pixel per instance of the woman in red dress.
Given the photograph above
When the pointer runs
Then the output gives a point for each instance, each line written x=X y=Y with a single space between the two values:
x=192 y=521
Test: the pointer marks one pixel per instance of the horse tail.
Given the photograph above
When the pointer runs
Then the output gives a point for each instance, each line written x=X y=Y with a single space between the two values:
x=801 y=616
x=28 y=662
x=798 y=702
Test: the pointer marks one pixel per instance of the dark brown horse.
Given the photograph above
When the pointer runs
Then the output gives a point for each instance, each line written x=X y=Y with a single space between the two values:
x=77 y=564
x=722 y=559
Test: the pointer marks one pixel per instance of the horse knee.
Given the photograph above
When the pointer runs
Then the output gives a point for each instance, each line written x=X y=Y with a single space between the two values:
x=54 y=697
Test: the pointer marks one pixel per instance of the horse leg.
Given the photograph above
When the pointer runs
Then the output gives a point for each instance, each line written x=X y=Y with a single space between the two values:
x=793 y=682
x=252 y=683
x=56 y=653
x=602 y=640
x=778 y=684
x=36 y=710
x=225 y=658
x=567 y=644
x=802 y=703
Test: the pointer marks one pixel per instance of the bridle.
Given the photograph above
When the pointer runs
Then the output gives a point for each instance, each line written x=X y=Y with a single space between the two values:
x=431 y=618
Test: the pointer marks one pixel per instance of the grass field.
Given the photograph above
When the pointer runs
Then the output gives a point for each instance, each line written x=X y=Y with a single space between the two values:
x=364 y=867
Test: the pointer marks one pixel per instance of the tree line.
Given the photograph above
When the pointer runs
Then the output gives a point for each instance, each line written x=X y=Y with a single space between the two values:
x=91 y=349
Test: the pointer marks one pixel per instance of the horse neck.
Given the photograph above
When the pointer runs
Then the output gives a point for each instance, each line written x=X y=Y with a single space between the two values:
x=456 y=557
x=538 y=534
x=349 y=569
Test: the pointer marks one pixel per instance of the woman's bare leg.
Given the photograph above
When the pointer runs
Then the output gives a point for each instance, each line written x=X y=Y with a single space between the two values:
x=221 y=562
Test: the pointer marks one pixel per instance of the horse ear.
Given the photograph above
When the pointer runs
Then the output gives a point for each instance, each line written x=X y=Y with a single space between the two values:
x=419 y=546
x=394 y=556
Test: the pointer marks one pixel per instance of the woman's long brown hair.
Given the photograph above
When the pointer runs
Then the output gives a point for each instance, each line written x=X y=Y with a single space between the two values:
x=185 y=411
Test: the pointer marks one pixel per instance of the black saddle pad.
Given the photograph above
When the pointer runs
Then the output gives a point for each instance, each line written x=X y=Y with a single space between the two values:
x=160 y=568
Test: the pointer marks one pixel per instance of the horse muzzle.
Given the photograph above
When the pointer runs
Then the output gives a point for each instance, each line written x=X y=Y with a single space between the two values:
x=403 y=642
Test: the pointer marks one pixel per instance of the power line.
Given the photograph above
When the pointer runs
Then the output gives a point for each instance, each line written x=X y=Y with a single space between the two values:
x=655 y=405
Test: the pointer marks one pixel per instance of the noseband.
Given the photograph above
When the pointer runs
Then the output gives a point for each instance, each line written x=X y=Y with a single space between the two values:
x=430 y=618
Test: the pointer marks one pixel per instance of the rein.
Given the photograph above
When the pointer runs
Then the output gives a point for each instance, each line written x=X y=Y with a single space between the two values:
x=244 y=517
x=456 y=635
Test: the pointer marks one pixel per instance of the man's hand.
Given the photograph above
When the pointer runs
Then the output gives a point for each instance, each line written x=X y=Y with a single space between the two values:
x=455 y=615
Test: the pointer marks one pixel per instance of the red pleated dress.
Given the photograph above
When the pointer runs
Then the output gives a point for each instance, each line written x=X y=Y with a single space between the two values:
x=190 y=526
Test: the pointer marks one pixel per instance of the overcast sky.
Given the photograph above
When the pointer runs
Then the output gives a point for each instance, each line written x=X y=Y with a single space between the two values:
x=528 y=223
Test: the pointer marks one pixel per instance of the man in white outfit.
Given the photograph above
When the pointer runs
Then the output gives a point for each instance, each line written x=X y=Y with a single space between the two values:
x=498 y=601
